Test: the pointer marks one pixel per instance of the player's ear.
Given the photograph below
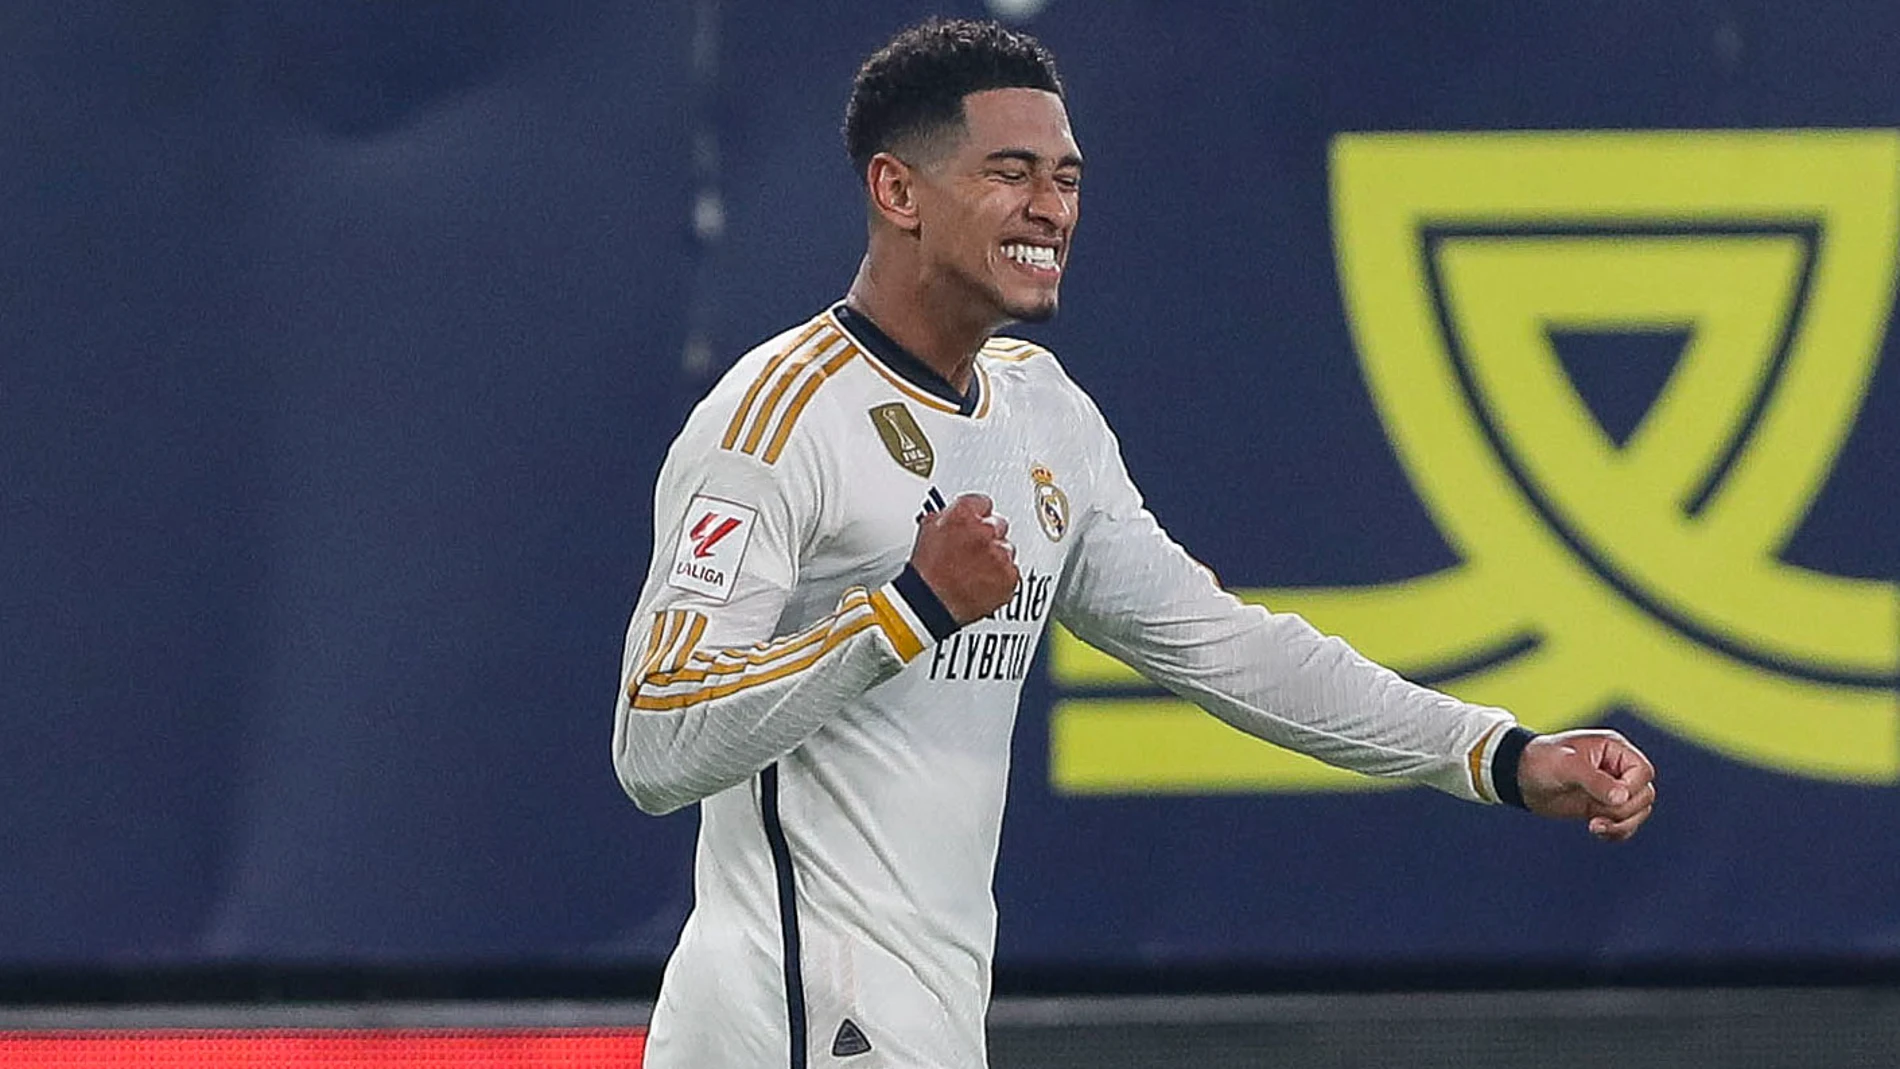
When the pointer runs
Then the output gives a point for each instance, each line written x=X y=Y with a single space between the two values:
x=893 y=187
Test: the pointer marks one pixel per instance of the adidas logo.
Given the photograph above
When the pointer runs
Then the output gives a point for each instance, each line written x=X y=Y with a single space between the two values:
x=933 y=502
x=849 y=1040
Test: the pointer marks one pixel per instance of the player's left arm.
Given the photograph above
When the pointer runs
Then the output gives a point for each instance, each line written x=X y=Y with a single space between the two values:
x=1131 y=591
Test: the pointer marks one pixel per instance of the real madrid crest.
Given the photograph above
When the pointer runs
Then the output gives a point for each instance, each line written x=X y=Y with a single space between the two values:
x=1052 y=505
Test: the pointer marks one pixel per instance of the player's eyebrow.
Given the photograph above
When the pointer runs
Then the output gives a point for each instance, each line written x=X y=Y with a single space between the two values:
x=1032 y=157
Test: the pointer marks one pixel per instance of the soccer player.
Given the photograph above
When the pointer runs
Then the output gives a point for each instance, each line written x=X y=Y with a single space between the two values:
x=860 y=536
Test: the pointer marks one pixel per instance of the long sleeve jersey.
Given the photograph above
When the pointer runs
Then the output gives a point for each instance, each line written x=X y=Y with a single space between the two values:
x=849 y=745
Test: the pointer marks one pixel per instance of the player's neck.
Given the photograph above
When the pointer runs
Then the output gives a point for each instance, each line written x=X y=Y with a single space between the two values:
x=928 y=329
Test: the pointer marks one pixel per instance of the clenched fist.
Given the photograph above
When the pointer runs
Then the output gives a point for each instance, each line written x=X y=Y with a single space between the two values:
x=1592 y=775
x=963 y=554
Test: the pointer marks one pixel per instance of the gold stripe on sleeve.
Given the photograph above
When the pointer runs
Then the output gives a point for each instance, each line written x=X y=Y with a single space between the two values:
x=666 y=629
x=752 y=394
x=907 y=643
x=686 y=645
x=727 y=662
x=797 y=407
x=653 y=644
x=1474 y=763
x=748 y=681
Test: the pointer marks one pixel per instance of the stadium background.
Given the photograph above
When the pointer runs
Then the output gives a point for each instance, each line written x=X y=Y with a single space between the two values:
x=342 y=342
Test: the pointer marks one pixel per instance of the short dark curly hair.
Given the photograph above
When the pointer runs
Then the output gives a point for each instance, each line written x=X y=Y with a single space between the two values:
x=915 y=85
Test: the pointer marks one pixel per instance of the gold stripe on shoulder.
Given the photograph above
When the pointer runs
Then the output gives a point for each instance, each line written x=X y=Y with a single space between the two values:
x=797 y=407
x=988 y=389
x=1013 y=350
x=752 y=394
x=821 y=345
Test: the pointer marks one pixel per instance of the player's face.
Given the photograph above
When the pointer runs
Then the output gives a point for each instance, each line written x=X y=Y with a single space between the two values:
x=1003 y=203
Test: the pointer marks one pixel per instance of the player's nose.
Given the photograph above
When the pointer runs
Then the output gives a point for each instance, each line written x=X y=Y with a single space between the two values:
x=1050 y=203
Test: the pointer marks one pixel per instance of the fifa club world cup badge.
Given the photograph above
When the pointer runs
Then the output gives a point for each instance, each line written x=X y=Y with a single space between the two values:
x=903 y=438
x=1052 y=505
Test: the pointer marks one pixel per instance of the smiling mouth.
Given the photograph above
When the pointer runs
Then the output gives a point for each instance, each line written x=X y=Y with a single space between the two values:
x=1038 y=258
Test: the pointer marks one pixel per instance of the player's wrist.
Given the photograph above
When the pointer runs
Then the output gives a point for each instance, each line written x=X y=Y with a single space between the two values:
x=924 y=603
x=1505 y=761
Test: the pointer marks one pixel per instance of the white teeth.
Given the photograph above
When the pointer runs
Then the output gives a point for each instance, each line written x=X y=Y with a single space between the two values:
x=1031 y=255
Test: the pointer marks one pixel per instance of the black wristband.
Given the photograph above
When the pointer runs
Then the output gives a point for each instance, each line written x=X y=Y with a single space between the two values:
x=925 y=603
x=1504 y=765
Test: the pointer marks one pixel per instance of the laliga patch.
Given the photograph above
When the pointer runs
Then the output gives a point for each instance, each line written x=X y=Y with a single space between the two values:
x=711 y=545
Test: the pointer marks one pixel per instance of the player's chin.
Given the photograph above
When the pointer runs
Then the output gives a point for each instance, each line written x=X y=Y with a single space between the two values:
x=1038 y=309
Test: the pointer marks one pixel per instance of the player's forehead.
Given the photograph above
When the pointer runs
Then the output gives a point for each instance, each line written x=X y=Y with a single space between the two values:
x=997 y=120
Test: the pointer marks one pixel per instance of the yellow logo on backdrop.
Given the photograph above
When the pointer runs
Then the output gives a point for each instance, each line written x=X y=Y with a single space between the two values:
x=1598 y=570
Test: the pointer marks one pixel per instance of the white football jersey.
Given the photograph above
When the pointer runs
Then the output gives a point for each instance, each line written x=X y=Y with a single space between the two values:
x=849 y=746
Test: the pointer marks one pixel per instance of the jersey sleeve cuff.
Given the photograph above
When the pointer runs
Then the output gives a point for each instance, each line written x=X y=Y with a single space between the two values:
x=923 y=603
x=1507 y=751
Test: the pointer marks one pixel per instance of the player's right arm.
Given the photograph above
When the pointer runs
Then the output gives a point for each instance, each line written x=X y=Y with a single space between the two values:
x=711 y=693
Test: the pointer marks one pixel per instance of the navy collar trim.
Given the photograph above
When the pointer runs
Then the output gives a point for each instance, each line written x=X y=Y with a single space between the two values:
x=907 y=366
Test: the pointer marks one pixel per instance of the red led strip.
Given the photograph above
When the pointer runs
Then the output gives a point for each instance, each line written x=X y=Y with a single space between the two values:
x=293 y=1048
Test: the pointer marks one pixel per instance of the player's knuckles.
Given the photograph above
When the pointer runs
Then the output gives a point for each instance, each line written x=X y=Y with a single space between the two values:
x=1626 y=811
x=1637 y=801
x=978 y=505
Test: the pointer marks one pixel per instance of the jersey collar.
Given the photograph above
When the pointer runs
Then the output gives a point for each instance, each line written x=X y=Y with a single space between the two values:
x=901 y=361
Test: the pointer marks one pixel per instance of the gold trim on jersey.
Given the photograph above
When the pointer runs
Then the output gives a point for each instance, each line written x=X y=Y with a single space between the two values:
x=816 y=379
x=649 y=655
x=824 y=345
x=674 y=634
x=907 y=643
x=726 y=662
x=1474 y=763
x=689 y=643
x=931 y=400
x=904 y=387
x=762 y=654
x=705 y=694
x=1014 y=350
x=757 y=667
x=763 y=663
x=745 y=406
x=670 y=634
